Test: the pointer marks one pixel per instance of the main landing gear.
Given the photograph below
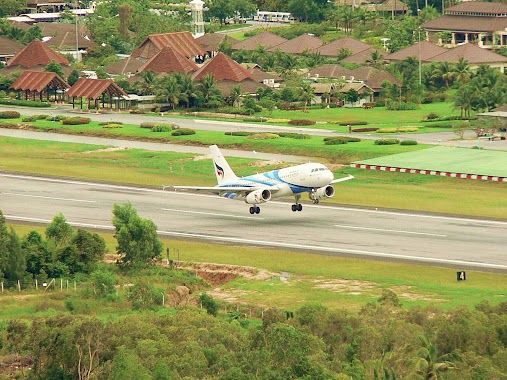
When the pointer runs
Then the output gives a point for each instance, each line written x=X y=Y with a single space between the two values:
x=255 y=210
x=297 y=206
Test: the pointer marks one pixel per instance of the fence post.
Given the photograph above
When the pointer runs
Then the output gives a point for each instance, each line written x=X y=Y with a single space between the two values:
x=36 y=285
x=19 y=286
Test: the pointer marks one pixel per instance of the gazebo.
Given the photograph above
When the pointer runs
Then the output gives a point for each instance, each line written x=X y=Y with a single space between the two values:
x=36 y=84
x=103 y=91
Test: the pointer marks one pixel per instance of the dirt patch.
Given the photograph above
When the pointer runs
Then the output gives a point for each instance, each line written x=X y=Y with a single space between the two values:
x=266 y=163
x=222 y=273
x=10 y=365
x=111 y=149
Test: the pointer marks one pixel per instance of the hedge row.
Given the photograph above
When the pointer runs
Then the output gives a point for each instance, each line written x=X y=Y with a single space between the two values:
x=300 y=122
x=354 y=122
x=9 y=115
x=365 y=129
x=77 y=120
x=387 y=142
x=26 y=103
x=183 y=132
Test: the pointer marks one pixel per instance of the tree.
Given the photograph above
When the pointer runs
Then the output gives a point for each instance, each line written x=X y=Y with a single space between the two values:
x=11 y=7
x=37 y=255
x=54 y=68
x=138 y=244
x=188 y=91
x=12 y=260
x=146 y=86
x=59 y=233
x=125 y=12
x=90 y=249
x=220 y=9
x=210 y=95
x=305 y=10
x=73 y=77
x=430 y=363
x=167 y=89
x=307 y=94
x=126 y=365
x=209 y=304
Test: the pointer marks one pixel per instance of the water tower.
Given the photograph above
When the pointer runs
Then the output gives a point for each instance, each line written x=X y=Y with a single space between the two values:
x=197 y=7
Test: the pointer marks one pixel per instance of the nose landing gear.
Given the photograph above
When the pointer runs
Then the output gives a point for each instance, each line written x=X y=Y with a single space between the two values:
x=297 y=206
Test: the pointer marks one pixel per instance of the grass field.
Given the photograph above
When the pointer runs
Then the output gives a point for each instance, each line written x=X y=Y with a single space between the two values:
x=370 y=188
x=332 y=281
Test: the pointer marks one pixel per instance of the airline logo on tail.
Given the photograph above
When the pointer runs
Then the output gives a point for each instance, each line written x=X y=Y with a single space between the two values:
x=220 y=170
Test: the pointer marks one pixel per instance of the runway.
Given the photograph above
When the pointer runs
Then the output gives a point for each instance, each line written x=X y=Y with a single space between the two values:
x=431 y=239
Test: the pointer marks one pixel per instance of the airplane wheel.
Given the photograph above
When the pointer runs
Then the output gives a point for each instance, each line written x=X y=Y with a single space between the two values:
x=294 y=207
x=257 y=210
x=252 y=210
x=299 y=207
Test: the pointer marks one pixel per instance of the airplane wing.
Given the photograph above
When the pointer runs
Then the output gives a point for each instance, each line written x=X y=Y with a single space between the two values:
x=214 y=189
x=342 y=179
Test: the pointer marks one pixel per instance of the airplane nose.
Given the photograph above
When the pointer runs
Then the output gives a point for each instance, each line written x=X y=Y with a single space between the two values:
x=329 y=176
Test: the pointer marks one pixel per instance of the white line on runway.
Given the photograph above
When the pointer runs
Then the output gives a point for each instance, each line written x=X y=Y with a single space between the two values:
x=384 y=230
x=212 y=213
x=287 y=245
x=456 y=219
x=53 y=198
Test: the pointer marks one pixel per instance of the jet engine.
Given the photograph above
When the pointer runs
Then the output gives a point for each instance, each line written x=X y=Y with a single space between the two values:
x=321 y=193
x=258 y=196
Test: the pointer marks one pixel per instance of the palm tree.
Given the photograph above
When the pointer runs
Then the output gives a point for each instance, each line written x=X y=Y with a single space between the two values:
x=187 y=88
x=168 y=89
x=209 y=91
x=307 y=94
x=443 y=72
x=462 y=71
x=430 y=363
x=235 y=95
x=147 y=83
x=347 y=15
x=376 y=59
x=463 y=100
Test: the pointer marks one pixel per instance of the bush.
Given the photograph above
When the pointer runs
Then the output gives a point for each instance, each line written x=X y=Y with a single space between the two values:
x=110 y=122
x=9 y=115
x=408 y=142
x=112 y=125
x=77 y=120
x=148 y=124
x=441 y=125
x=161 y=128
x=365 y=129
x=238 y=133
x=335 y=141
x=301 y=122
x=402 y=106
x=296 y=136
x=387 y=142
x=348 y=138
x=26 y=103
x=235 y=110
x=56 y=118
x=398 y=130
x=278 y=120
x=431 y=97
x=432 y=116
x=28 y=119
x=263 y=136
x=354 y=122
x=137 y=112
x=183 y=132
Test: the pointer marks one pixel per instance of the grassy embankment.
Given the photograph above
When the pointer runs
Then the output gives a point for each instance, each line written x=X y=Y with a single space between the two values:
x=332 y=281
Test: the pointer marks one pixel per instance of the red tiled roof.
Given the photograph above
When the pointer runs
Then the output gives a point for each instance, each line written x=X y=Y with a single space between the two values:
x=168 y=60
x=222 y=67
x=473 y=54
x=247 y=86
x=466 y=23
x=38 y=81
x=331 y=71
x=298 y=45
x=67 y=41
x=127 y=65
x=478 y=7
x=36 y=53
x=183 y=42
x=331 y=49
x=212 y=41
x=427 y=51
x=94 y=88
x=362 y=56
x=260 y=76
x=9 y=47
x=373 y=77
x=266 y=39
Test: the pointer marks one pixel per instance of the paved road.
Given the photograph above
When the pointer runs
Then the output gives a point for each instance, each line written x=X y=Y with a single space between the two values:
x=446 y=241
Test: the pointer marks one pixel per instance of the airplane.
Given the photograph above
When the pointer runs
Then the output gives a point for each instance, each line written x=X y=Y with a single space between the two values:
x=313 y=178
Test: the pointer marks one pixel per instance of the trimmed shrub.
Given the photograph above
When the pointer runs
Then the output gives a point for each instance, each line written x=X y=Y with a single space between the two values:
x=365 y=129
x=112 y=126
x=278 y=120
x=408 y=142
x=432 y=116
x=76 y=120
x=238 y=133
x=36 y=117
x=441 y=125
x=28 y=119
x=348 y=138
x=26 y=103
x=354 y=122
x=398 y=130
x=110 y=122
x=9 y=115
x=136 y=112
x=148 y=124
x=402 y=106
x=263 y=136
x=292 y=135
x=56 y=118
x=335 y=141
x=161 y=128
x=387 y=142
x=301 y=122
x=183 y=132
